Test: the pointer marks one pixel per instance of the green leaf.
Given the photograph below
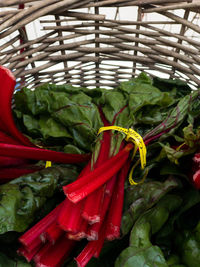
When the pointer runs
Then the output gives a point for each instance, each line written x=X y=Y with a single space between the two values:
x=189 y=248
x=51 y=128
x=148 y=257
x=22 y=197
x=140 y=198
x=141 y=252
x=177 y=88
x=7 y=262
x=31 y=124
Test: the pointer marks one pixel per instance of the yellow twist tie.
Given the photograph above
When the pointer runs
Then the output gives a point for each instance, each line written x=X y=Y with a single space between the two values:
x=134 y=137
x=48 y=164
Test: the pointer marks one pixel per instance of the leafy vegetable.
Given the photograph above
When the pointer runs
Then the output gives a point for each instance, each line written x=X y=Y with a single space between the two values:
x=65 y=118
x=23 y=197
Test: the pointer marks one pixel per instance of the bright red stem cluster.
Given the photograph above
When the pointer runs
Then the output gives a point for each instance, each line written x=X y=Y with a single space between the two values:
x=88 y=212
x=16 y=150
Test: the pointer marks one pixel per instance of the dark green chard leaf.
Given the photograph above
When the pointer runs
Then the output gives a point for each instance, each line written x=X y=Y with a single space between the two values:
x=189 y=200
x=7 y=262
x=68 y=118
x=188 y=245
x=176 y=88
x=23 y=197
x=141 y=252
x=142 y=197
x=59 y=114
x=144 y=94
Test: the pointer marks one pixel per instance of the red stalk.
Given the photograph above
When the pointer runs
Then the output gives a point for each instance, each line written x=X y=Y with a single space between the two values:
x=54 y=255
x=93 y=231
x=28 y=254
x=92 y=208
x=40 y=154
x=86 y=254
x=116 y=206
x=4 y=138
x=91 y=249
x=52 y=233
x=93 y=202
x=98 y=177
x=34 y=233
x=7 y=124
x=82 y=233
x=103 y=168
x=69 y=218
x=7 y=174
x=42 y=252
x=11 y=161
x=37 y=242
x=100 y=243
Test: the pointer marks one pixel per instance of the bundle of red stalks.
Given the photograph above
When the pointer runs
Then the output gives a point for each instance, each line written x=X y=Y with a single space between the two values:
x=17 y=153
x=89 y=209
x=89 y=212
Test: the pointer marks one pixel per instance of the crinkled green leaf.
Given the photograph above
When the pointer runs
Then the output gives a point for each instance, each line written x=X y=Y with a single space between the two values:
x=51 y=128
x=152 y=116
x=147 y=257
x=61 y=112
x=143 y=93
x=83 y=123
x=72 y=149
x=177 y=88
x=112 y=102
x=7 y=262
x=179 y=220
x=31 y=124
x=22 y=197
x=141 y=252
x=188 y=245
x=142 y=197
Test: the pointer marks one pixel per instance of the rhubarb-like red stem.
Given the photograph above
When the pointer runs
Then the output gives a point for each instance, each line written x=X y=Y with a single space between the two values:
x=86 y=254
x=91 y=249
x=93 y=231
x=52 y=233
x=40 y=154
x=70 y=218
x=82 y=233
x=11 y=161
x=34 y=233
x=8 y=174
x=29 y=254
x=98 y=177
x=92 y=208
x=4 y=138
x=7 y=125
x=55 y=255
x=116 y=206
x=93 y=203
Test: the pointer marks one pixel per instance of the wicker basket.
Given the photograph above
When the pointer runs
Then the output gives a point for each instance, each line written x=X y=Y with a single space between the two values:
x=99 y=43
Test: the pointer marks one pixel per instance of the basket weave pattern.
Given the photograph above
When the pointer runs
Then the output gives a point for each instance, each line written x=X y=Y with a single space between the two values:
x=79 y=43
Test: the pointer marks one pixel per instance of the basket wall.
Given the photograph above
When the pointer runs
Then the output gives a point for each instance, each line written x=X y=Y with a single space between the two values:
x=80 y=42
